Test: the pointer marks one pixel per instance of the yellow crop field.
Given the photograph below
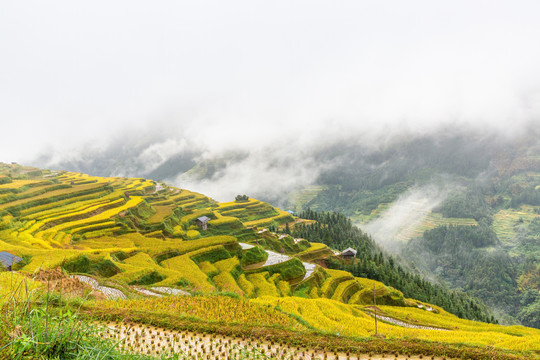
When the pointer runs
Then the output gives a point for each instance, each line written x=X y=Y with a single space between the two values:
x=208 y=308
x=102 y=232
x=313 y=247
x=58 y=210
x=343 y=287
x=263 y=287
x=281 y=218
x=336 y=276
x=284 y=288
x=225 y=282
x=81 y=211
x=58 y=206
x=68 y=191
x=122 y=232
x=222 y=220
x=107 y=214
x=161 y=213
x=339 y=318
x=17 y=287
x=50 y=259
x=108 y=242
x=140 y=260
x=16 y=184
x=97 y=225
x=443 y=319
x=187 y=270
x=227 y=265
x=208 y=268
x=192 y=234
x=247 y=287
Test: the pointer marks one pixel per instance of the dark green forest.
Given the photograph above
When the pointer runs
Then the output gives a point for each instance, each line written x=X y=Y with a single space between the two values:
x=337 y=231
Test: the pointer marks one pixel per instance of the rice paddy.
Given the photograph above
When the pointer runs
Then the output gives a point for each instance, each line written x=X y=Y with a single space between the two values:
x=135 y=248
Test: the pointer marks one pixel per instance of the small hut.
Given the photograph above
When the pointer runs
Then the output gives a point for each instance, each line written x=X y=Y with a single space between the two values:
x=348 y=253
x=8 y=260
x=202 y=222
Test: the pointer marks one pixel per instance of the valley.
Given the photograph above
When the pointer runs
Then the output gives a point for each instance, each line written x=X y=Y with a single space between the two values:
x=135 y=256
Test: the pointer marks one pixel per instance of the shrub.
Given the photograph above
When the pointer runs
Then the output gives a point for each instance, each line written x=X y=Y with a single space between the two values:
x=254 y=255
x=82 y=264
x=78 y=265
x=290 y=269
x=217 y=254
x=105 y=268
x=241 y=198
x=148 y=279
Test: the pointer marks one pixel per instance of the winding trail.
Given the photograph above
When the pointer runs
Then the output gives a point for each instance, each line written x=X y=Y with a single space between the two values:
x=147 y=292
x=404 y=324
x=170 y=291
x=109 y=292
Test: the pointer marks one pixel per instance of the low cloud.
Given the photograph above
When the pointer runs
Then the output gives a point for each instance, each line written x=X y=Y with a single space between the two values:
x=145 y=90
x=405 y=215
x=269 y=173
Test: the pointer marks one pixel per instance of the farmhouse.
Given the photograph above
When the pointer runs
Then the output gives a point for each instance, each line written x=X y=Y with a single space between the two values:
x=8 y=260
x=202 y=222
x=348 y=253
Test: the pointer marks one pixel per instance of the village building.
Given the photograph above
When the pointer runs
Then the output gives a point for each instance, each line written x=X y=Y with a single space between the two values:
x=202 y=222
x=348 y=253
x=8 y=260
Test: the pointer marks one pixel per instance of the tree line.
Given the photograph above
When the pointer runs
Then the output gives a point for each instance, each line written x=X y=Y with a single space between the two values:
x=338 y=232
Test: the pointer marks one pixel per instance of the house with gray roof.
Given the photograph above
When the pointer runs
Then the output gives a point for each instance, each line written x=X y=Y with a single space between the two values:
x=348 y=253
x=202 y=222
x=8 y=260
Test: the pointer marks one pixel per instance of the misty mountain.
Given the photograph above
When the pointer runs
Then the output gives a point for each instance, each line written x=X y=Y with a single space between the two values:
x=393 y=189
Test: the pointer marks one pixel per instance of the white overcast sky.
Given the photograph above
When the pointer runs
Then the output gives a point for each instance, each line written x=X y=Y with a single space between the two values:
x=76 y=74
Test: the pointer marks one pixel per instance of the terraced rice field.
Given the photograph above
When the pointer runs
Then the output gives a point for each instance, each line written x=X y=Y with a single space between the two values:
x=305 y=195
x=275 y=258
x=254 y=213
x=139 y=246
x=64 y=216
x=506 y=221
x=431 y=221
x=136 y=338
x=354 y=320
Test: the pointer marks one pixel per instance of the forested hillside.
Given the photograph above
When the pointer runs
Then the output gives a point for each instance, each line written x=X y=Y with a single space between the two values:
x=135 y=269
x=482 y=238
x=462 y=180
x=336 y=231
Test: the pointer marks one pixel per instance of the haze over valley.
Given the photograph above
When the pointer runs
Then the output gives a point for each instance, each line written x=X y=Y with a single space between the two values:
x=297 y=167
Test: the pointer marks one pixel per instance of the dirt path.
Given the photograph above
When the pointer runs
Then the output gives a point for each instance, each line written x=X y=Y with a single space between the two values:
x=170 y=291
x=310 y=268
x=109 y=292
x=147 y=292
x=401 y=323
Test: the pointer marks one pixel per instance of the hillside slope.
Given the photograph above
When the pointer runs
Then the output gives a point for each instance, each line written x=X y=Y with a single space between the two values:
x=134 y=248
x=464 y=210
